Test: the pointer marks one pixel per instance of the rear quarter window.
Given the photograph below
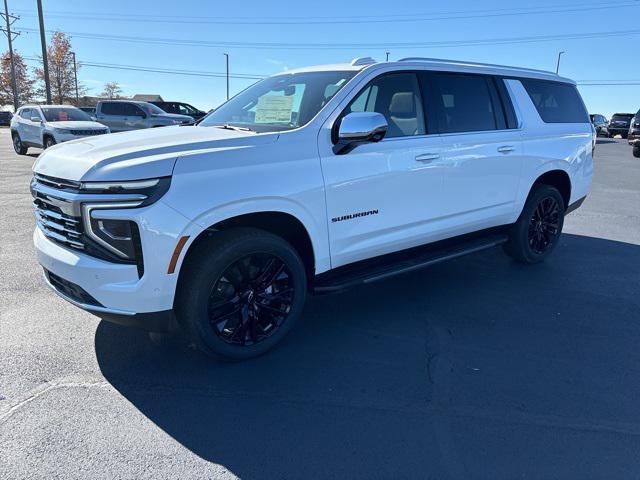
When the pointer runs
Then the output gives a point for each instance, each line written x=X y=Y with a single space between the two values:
x=556 y=102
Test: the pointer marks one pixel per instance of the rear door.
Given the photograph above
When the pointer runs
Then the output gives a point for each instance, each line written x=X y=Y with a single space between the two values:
x=30 y=131
x=482 y=149
x=112 y=114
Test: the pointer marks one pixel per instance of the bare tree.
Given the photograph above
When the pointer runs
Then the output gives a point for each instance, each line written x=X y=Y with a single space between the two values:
x=60 y=68
x=23 y=81
x=111 y=90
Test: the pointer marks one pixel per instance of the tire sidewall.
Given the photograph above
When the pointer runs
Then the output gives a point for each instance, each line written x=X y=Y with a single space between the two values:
x=19 y=149
x=49 y=142
x=521 y=236
x=211 y=264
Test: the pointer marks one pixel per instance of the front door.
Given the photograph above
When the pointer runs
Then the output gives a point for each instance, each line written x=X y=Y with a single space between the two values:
x=381 y=197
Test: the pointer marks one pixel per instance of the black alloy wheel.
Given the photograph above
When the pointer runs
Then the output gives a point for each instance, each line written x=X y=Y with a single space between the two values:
x=537 y=231
x=544 y=226
x=251 y=300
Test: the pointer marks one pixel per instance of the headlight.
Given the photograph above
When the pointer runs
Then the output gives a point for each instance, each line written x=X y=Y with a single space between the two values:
x=120 y=237
x=150 y=189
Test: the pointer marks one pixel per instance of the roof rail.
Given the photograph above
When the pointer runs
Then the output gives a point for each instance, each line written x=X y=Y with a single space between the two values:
x=362 y=61
x=473 y=64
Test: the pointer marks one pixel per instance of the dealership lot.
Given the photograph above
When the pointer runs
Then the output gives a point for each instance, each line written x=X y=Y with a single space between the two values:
x=477 y=368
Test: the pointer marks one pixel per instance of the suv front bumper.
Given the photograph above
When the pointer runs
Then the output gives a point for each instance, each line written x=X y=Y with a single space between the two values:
x=114 y=291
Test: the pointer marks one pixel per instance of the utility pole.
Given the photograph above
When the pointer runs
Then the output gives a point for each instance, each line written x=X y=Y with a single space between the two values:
x=14 y=85
x=558 y=64
x=227 y=60
x=45 y=62
x=75 y=75
x=387 y=55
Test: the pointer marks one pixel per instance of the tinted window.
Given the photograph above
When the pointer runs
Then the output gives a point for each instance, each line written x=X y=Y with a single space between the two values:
x=113 y=108
x=465 y=103
x=132 y=110
x=63 y=114
x=397 y=97
x=622 y=117
x=556 y=102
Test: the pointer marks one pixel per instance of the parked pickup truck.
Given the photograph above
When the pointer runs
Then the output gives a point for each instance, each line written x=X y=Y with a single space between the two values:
x=308 y=182
x=122 y=115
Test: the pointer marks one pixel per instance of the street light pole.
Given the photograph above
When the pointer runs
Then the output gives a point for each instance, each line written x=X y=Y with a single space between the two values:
x=227 y=61
x=14 y=85
x=75 y=75
x=558 y=64
x=43 y=44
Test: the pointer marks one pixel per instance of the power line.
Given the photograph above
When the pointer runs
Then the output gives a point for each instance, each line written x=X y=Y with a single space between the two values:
x=341 y=46
x=405 y=18
x=140 y=68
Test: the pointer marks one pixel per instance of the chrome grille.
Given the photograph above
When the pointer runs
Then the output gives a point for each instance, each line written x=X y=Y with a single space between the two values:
x=58 y=183
x=58 y=226
x=88 y=132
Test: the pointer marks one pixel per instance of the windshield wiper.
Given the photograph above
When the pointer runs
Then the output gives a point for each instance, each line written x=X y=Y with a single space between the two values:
x=234 y=127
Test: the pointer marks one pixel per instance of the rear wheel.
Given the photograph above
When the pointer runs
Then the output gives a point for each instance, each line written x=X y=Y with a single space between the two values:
x=636 y=152
x=240 y=293
x=18 y=146
x=537 y=231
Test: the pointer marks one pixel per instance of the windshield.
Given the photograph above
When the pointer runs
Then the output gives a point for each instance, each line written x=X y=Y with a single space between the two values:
x=622 y=116
x=65 y=114
x=151 y=109
x=283 y=102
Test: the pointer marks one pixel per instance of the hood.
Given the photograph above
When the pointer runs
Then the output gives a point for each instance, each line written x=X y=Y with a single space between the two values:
x=138 y=154
x=77 y=125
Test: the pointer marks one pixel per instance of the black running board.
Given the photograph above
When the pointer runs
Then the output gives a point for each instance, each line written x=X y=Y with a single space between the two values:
x=386 y=266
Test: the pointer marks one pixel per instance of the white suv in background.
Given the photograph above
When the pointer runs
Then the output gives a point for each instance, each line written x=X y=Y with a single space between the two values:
x=310 y=181
x=42 y=126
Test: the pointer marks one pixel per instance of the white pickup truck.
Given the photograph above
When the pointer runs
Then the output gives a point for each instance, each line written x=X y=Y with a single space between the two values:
x=310 y=181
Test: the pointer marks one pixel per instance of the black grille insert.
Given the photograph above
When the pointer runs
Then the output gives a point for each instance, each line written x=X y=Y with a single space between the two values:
x=70 y=289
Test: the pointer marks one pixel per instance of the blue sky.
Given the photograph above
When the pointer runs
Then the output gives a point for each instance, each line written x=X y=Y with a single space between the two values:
x=376 y=25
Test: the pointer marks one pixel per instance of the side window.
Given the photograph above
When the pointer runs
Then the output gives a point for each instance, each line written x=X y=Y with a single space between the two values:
x=112 y=108
x=465 y=103
x=556 y=102
x=397 y=97
x=26 y=113
x=131 y=110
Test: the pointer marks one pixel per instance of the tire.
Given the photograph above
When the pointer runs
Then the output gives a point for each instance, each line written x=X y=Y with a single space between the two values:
x=18 y=146
x=253 y=283
x=537 y=231
x=636 y=152
x=49 y=142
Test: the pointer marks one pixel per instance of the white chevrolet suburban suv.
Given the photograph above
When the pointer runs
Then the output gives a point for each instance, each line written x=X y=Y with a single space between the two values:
x=310 y=181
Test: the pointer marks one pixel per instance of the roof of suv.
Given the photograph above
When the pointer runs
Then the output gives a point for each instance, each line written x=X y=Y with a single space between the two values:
x=435 y=64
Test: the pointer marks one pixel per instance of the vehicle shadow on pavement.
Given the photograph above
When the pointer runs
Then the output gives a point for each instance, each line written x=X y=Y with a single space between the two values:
x=477 y=368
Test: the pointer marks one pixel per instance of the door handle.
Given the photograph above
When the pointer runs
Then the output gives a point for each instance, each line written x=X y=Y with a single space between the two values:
x=506 y=149
x=427 y=157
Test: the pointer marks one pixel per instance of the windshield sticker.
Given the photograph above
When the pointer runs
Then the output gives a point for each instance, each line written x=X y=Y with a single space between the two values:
x=274 y=109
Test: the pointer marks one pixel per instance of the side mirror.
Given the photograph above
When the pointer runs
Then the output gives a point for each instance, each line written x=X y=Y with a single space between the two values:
x=36 y=119
x=358 y=128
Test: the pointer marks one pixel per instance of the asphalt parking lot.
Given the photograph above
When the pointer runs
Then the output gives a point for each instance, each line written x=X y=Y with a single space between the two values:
x=479 y=368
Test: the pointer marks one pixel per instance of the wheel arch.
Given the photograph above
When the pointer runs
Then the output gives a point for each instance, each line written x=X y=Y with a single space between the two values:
x=557 y=178
x=280 y=223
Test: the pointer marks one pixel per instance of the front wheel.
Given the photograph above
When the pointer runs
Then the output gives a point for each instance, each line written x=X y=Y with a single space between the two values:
x=49 y=142
x=636 y=152
x=240 y=292
x=537 y=231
